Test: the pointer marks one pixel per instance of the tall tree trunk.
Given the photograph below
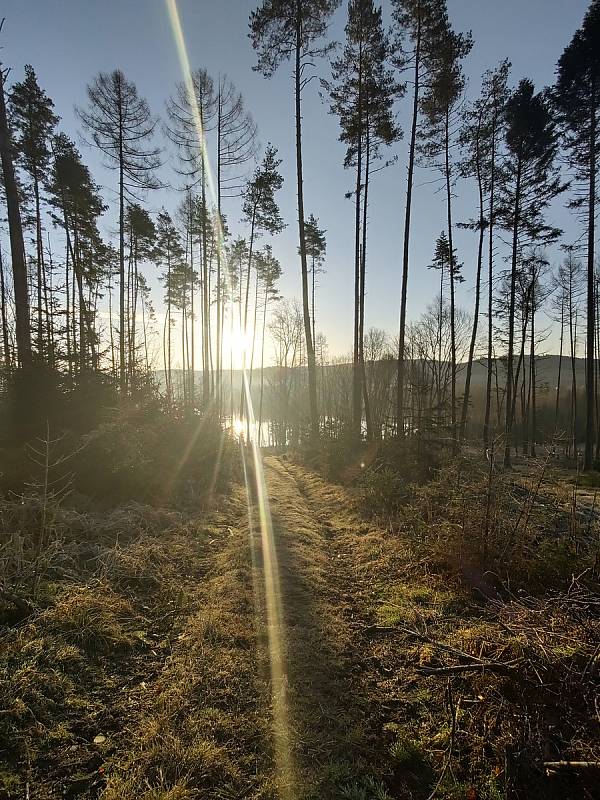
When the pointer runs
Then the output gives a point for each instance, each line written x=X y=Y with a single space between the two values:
x=591 y=324
x=532 y=374
x=356 y=374
x=573 y=342
x=465 y=407
x=511 y=319
x=452 y=280
x=205 y=303
x=113 y=360
x=49 y=305
x=3 y=312
x=122 y=364
x=246 y=302
x=560 y=356
x=254 y=325
x=193 y=321
x=488 y=387
x=68 y=302
x=219 y=242
x=169 y=372
x=17 y=246
x=313 y=301
x=310 y=349
x=262 y=371
x=39 y=266
x=363 y=265
x=597 y=376
x=406 y=250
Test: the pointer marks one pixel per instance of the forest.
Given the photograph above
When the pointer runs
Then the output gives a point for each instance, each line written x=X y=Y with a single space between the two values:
x=237 y=560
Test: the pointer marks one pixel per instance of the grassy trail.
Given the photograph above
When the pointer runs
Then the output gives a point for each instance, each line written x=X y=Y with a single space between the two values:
x=331 y=686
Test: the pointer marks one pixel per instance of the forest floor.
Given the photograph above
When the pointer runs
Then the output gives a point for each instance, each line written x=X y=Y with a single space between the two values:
x=311 y=658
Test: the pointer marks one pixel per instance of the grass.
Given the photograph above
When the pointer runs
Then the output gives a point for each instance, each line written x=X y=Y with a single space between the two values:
x=420 y=570
x=143 y=671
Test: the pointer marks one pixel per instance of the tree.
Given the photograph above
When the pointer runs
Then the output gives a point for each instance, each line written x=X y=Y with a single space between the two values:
x=260 y=208
x=268 y=275
x=121 y=126
x=78 y=205
x=33 y=121
x=439 y=104
x=315 y=250
x=415 y=24
x=141 y=237
x=531 y=183
x=261 y=212
x=168 y=255
x=362 y=93
x=479 y=139
x=568 y=284
x=280 y=30
x=191 y=113
x=577 y=97
x=495 y=89
x=6 y=346
x=445 y=261
x=17 y=246
x=236 y=145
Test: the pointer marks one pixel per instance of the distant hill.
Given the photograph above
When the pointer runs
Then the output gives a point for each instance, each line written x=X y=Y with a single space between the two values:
x=546 y=371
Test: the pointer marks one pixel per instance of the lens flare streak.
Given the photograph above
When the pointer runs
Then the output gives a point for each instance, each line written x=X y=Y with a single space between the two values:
x=255 y=486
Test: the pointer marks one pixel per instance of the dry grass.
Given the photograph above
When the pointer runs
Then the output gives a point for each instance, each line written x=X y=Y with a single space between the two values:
x=152 y=649
x=153 y=644
x=417 y=589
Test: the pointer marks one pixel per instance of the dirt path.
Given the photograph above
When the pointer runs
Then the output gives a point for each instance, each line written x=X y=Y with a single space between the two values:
x=332 y=689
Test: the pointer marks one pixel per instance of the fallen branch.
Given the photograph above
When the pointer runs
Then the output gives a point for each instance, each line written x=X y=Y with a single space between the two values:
x=556 y=766
x=476 y=666
x=474 y=661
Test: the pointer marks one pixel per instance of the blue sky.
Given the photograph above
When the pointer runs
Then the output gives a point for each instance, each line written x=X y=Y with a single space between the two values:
x=69 y=41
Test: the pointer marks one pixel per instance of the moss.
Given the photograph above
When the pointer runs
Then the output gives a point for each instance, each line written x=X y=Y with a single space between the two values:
x=407 y=753
x=11 y=784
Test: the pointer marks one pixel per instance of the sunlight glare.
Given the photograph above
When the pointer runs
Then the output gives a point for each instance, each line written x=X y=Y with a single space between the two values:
x=240 y=345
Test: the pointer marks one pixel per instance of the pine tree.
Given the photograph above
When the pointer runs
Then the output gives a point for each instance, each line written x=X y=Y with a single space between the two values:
x=416 y=24
x=531 y=182
x=168 y=254
x=33 y=121
x=77 y=206
x=236 y=145
x=450 y=270
x=496 y=91
x=577 y=97
x=15 y=226
x=282 y=30
x=315 y=250
x=191 y=112
x=141 y=237
x=6 y=344
x=121 y=126
x=479 y=141
x=362 y=93
x=269 y=272
x=260 y=208
x=262 y=213
x=440 y=103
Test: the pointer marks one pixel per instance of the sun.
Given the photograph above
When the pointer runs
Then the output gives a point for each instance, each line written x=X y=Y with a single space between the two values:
x=241 y=343
x=238 y=427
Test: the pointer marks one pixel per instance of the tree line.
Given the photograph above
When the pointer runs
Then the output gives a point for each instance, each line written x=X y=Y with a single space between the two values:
x=521 y=147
